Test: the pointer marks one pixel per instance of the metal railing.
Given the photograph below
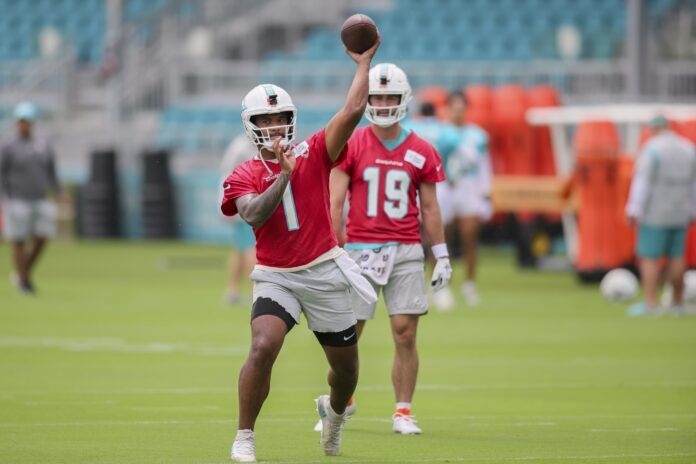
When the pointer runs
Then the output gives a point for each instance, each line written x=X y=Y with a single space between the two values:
x=48 y=76
x=676 y=79
x=49 y=83
x=587 y=81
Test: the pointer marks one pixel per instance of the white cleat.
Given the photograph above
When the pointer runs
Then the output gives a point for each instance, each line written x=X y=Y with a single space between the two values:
x=243 y=449
x=350 y=410
x=470 y=294
x=332 y=426
x=443 y=300
x=405 y=424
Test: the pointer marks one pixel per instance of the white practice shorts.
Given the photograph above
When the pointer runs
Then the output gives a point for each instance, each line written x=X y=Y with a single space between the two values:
x=404 y=287
x=22 y=219
x=463 y=199
x=321 y=292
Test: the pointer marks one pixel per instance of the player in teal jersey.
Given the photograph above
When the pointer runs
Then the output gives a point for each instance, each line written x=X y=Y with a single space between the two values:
x=465 y=198
x=444 y=137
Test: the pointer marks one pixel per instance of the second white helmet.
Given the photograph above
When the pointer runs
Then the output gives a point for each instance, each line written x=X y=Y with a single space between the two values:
x=268 y=99
x=388 y=79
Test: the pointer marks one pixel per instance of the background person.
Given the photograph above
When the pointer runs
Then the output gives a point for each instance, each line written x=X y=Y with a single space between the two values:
x=27 y=177
x=468 y=190
x=243 y=256
x=662 y=201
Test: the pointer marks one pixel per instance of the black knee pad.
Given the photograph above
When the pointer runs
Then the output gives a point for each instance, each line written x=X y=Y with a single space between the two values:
x=265 y=306
x=348 y=337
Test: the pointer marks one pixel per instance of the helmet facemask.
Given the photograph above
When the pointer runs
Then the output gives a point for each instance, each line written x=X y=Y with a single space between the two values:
x=394 y=114
x=268 y=99
x=262 y=137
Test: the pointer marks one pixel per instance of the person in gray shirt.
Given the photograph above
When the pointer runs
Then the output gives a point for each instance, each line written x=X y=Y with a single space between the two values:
x=27 y=176
x=662 y=201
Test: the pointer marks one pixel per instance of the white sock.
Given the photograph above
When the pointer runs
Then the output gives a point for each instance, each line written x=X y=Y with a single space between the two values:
x=330 y=410
x=245 y=433
x=403 y=406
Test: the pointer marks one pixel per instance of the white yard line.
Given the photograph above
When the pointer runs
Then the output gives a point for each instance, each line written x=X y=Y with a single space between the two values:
x=289 y=420
x=118 y=345
x=66 y=403
x=174 y=408
x=636 y=430
x=421 y=387
x=596 y=457
x=311 y=419
x=125 y=423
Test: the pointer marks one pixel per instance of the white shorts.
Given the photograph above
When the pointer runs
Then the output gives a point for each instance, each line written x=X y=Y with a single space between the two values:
x=404 y=292
x=321 y=292
x=23 y=219
x=463 y=199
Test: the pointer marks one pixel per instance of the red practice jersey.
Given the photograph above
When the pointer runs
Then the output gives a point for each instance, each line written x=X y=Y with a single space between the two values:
x=300 y=230
x=384 y=185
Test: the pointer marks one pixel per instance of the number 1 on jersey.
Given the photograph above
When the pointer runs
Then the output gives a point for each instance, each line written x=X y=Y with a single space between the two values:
x=289 y=209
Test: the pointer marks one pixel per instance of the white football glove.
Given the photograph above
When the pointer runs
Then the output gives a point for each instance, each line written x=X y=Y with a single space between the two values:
x=441 y=274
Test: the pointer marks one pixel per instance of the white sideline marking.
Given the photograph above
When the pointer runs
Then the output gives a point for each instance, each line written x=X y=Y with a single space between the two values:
x=118 y=345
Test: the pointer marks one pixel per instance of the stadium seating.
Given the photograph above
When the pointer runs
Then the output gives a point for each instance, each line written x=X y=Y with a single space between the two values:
x=413 y=30
x=481 y=31
x=82 y=23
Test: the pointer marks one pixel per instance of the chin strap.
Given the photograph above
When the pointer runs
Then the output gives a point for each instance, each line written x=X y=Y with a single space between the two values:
x=263 y=161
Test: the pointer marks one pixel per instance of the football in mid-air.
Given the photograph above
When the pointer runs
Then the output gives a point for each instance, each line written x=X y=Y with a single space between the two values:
x=619 y=285
x=358 y=33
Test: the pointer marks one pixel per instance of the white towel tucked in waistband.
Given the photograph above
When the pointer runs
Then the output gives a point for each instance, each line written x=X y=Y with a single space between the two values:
x=351 y=272
x=377 y=263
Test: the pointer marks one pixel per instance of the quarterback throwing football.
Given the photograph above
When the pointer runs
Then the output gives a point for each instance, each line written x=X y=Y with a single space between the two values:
x=283 y=193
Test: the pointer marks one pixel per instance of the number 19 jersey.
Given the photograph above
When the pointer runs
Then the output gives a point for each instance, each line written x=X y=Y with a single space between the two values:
x=384 y=186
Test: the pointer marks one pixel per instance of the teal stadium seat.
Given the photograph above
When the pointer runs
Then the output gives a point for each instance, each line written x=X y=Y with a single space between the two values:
x=82 y=22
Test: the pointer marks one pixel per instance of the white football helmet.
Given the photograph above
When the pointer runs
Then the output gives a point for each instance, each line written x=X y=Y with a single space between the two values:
x=388 y=79
x=268 y=99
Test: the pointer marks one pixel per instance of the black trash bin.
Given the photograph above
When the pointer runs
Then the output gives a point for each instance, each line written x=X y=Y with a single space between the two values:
x=98 y=205
x=158 y=206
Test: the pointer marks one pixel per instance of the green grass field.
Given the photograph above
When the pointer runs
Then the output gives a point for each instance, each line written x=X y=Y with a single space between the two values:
x=128 y=356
